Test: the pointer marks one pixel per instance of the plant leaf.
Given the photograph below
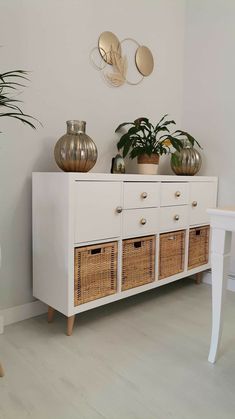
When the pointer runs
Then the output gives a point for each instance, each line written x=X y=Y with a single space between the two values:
x=123 y=125
x=127 y=147
x=189 y=137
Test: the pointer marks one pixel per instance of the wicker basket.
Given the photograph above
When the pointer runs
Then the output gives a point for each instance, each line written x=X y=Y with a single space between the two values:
x=198 y=246
x=95 y=272
x=138 y=262
x=171 y=255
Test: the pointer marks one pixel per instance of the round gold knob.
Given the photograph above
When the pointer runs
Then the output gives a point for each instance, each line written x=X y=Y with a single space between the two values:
x=177 y=194
x=119 y=210
x=176 y=217
x=144 y=195
x=194 y=203
x=143 y=221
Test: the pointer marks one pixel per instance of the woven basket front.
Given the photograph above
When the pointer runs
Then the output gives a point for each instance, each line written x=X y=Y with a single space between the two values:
x=198 y=246
x=138 y=262
x=95 y=272
x=171 y=255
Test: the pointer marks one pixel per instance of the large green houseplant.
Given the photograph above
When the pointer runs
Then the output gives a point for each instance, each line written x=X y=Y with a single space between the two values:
x=10 y=83
x=148 y=142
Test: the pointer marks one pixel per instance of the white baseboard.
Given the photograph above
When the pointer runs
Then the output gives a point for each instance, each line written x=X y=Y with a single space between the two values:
x=231 y=280
x=19 y=313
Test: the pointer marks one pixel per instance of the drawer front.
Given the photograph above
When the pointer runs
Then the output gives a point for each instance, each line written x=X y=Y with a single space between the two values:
x=202 y=196
x=141 y=194
x=95 y=212
x=173 y=218
x=174 y=194
x=140 y=222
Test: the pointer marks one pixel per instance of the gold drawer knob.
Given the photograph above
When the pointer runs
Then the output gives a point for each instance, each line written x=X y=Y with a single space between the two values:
x=119 y=210
x=177 y=194
x=143 y=221
x=194 y=203
x=144 y=195
x=176 y=217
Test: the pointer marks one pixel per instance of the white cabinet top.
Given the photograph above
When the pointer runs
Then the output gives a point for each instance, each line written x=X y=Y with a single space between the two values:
x=127 y=177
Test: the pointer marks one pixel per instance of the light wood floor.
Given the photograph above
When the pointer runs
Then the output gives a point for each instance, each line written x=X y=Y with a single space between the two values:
x=141 y=358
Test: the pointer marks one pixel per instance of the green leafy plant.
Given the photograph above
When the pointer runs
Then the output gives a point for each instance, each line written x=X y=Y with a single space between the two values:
x=145 y=138
x=10 y=82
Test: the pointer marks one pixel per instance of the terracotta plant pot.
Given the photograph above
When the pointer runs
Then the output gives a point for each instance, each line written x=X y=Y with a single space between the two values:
x=148 y=165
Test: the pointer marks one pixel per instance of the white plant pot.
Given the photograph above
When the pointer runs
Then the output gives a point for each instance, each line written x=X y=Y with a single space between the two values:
x=147 y=169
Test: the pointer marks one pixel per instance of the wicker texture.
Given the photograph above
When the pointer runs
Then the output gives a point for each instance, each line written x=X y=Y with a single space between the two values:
x=198 y=246
x=95 y=272
x=172 y=251
x=138 y=262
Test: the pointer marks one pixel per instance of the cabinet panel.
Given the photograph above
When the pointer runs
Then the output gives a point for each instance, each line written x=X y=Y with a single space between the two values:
x=140 y=222
x=174 y=194
x=173 y=218
x=96 y=215
x=141 y=194
x=202 y=196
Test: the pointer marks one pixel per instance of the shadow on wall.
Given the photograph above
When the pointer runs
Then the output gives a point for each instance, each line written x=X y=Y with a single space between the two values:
x=45 y=161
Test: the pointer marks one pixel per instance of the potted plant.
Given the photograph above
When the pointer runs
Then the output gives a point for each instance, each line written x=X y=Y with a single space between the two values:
x=186 y=161
x=147 y=142
x=9 y=106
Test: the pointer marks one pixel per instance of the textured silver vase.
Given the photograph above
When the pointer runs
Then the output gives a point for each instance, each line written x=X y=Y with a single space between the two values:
x=186 y=162
x=75 y=151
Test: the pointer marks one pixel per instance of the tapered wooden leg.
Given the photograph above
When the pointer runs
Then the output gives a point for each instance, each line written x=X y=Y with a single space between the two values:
x=1 y=370
x=70 y=323
x=50 y=314
x=198 y=278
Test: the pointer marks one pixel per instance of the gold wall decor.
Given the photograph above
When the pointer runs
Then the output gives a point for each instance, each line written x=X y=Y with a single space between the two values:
x=144 y=60
x=108 y=43
x=112 y=58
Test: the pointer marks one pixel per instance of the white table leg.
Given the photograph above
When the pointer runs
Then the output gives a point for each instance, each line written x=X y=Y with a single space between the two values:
x=221 y=246
x=1 y=370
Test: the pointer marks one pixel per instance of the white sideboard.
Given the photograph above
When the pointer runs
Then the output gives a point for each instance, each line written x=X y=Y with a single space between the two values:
x=72 y=210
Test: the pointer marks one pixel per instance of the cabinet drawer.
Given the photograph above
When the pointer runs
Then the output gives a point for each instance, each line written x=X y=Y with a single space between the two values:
x=140 y=222
x=202 y=196
x=141 y=194
x=174 y=194
x=173 y=218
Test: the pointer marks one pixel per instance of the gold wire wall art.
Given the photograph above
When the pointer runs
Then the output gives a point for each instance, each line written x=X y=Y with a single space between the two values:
x=108 y=57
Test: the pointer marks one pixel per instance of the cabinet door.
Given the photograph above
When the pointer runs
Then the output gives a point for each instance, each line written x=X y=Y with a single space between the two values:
x=202 y=196
x=96 y=215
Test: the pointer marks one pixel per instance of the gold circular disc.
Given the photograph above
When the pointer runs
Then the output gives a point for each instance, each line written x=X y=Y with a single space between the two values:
x=144 y=60
x=108 y=42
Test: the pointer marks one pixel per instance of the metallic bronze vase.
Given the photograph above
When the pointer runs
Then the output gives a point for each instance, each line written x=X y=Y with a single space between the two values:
x=186 y=162
x=75 y=151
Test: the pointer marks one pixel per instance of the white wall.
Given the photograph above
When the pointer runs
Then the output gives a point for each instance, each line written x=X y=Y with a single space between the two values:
x=53 y=39
x=209 y=89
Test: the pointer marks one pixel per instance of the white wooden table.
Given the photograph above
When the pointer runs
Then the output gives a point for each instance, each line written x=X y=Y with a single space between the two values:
x=223 y=224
